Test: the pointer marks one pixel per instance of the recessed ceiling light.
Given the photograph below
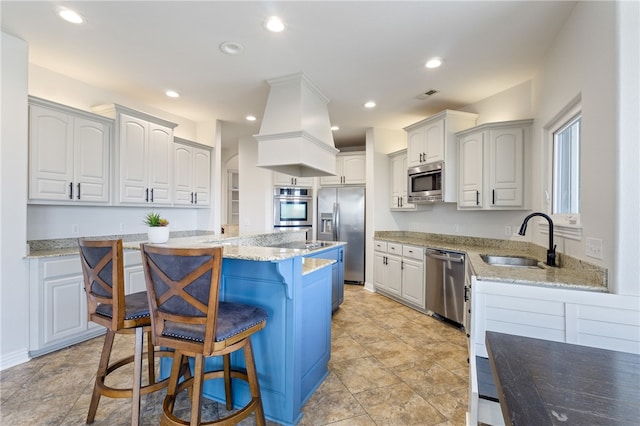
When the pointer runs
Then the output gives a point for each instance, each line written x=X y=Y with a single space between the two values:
x=274 y=24
x=335 y=128
x=370 y=104
x=69 y=15
x=172 y=94
x=433 y=63
x=250 y=118
x=231 y=48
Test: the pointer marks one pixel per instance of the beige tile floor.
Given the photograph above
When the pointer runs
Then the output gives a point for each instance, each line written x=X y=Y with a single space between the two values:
x=390 y=365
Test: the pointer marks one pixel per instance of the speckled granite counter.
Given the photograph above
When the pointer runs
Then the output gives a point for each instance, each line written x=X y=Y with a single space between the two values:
x=573 y=273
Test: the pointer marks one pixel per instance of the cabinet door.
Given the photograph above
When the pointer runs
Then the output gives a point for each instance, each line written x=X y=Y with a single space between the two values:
x=134 y=134
x=337 y=179
x=434 y=142
x=413 y=286
x=65 y=312
x=354 y=169
x=506 y=170
x=282 y=179
x=91 y=160
x=416 y=141
x=50 y=154
x=394 y=274
x=160 y=165
x=471 y=171
x=201 y=176
x=183 y=180
x=379 y=270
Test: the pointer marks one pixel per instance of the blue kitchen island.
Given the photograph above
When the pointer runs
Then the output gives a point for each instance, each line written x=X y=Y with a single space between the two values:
x=293 y=350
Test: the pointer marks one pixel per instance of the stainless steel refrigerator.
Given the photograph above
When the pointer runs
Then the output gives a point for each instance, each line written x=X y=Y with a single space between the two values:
x=341 y=218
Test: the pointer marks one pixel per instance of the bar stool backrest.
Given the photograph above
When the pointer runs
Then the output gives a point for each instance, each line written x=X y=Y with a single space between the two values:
x=183 y=292
x=103 y=270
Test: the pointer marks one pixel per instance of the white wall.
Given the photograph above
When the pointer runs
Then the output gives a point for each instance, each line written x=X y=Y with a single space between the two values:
x=256 y=199
x=582 y=61
x=627 y=253
x=13 y=221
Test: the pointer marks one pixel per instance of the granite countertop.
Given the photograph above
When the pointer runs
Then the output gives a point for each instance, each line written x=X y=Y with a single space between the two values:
x=573 y=273
x=246 y=247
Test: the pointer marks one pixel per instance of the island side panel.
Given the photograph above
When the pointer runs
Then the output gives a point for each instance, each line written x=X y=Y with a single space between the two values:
x=297 y=332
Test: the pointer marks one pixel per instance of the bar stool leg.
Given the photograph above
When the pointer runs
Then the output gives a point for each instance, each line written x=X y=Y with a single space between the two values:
x=198 y=378
x=137 y=377
x=226 y=361
x=100 y=375
x=151 y=358
x=254 y=385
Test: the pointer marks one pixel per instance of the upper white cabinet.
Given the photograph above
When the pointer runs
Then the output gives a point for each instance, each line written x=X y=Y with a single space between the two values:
x=144 y=156
x=398 y=168
x=492 y=165
x=282 y=179
x=68 y=154
x=433 y=139
x=192 y=180
x=350 y=170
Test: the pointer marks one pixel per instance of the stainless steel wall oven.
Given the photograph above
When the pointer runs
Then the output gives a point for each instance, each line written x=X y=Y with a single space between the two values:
x=292 y=206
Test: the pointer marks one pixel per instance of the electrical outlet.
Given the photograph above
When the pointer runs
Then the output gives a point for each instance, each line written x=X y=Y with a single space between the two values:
x=122 y=227
x=456 y=228
x=75 y=229
x=594 y=248
x=507 y=231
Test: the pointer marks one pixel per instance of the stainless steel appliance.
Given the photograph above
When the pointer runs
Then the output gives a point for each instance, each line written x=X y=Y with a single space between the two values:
x=341 y=218
x=425 y=183
x=292 y=207
x=445 y=284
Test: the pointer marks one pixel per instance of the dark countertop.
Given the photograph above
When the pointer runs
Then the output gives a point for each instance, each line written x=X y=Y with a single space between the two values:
x=541 y=382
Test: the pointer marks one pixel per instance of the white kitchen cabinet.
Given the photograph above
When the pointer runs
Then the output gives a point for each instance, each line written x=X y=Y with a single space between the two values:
x=492 y=165
x=192 y=180
x=413 y=275
x=282 y=179
x=433 y=140
x=58 y=303
x=398 y=168
x=399 y=273
x=144 y=156
x=350 y=170
x=68 y=155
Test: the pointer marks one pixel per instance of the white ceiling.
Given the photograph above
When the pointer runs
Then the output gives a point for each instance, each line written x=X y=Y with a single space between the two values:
x=354 y=51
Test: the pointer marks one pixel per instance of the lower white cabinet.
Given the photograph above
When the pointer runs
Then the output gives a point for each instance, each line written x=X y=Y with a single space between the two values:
x=399 y=273
x=58 y=304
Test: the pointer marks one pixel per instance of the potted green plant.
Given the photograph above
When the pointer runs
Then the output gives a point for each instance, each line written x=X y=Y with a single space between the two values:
x=158 y=231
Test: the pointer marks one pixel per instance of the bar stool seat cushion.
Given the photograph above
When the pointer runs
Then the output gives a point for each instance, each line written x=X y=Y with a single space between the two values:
x=136 y=306
x=233 y=318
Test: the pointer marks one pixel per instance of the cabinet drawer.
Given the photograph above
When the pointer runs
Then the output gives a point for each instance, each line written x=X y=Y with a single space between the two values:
x=394 y=248
x=413 y=252
x=380 y=246
x=68 y=265
x=132 y=257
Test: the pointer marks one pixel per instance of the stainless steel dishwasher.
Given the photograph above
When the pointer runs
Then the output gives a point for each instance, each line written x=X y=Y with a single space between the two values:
x=445 y=283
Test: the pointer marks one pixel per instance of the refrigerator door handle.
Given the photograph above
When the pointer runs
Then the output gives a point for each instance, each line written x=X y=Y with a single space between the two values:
x=336 y=221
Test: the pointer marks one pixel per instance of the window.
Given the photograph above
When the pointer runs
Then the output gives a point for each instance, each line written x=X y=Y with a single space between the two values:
x=566 y=167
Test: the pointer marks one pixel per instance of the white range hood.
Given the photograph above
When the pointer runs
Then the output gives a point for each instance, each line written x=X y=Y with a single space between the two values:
x=295 y=136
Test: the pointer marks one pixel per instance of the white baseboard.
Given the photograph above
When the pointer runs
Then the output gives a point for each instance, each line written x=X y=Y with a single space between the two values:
x=14 y=358
x=369 y=287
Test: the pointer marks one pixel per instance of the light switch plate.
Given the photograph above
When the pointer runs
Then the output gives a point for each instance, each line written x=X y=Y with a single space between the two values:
x=594 y=248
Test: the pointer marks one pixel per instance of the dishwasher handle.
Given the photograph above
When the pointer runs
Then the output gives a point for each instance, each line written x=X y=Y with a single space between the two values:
x=456 y=259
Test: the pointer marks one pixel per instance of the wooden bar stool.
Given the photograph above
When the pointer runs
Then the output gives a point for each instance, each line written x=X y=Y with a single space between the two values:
x=187 y=316
x=103 y=270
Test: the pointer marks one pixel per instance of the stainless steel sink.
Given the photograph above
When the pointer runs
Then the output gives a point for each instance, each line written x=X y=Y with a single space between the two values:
x=513 y=261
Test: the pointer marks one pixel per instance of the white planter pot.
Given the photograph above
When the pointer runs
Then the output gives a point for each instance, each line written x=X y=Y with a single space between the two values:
x=158 y=234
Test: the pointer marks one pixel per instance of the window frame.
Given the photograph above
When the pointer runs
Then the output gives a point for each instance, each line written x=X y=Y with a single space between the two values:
x=567 y=224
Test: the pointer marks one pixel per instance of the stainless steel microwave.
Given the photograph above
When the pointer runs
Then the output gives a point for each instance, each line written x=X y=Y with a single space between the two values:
x=425 y=183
